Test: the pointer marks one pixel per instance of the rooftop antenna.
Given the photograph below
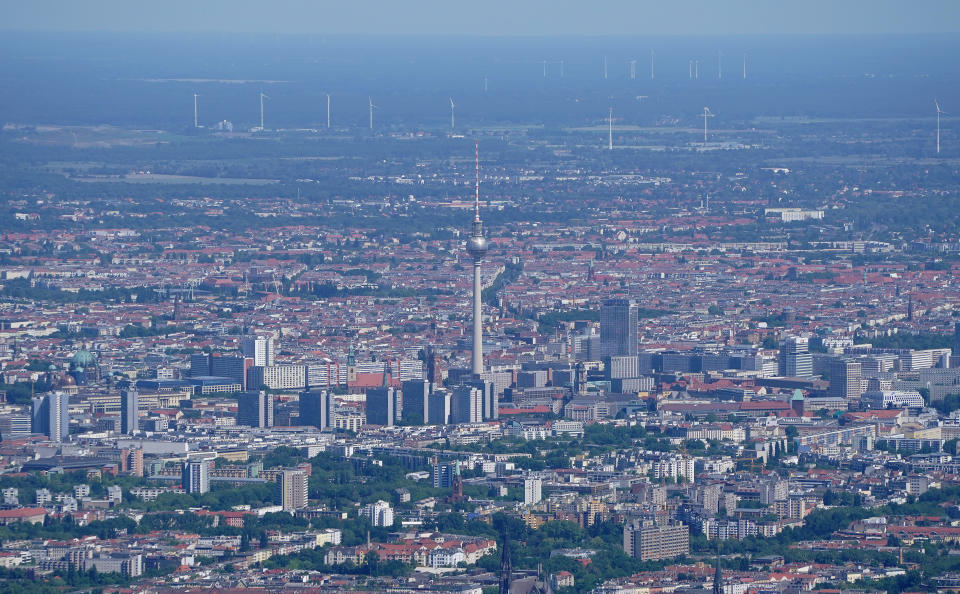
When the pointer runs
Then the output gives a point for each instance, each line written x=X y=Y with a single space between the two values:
x=706 y=114
x=744 y=66
x=939 y=111
x=452 y=121
x=195 y=110
x=604 y=68
x=719 y=64
x=476 y=185
x=328 y=110
x=372 y=107
x=651 y=64
x=610 y=130
x=262 y=97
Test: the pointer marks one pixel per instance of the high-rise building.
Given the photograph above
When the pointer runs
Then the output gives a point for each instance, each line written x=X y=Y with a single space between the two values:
x=317 y=409
x=255 y=409
x=195 y=476
x=131 y=461
x=619 y=324
x=845 y=379
x=50 y=416
x=416 y=402
x=956 y=339
x=378 y=514
x=649 y=542
x=439 y=411
x=230 y=366
x=532 y=491
x=795 y=357
x=380 y=406
x=258 y=348
x=199 y=364
x=129 y=411
x=292 y=486
x=490 y=405
x=277 y=377
x=620 y=367
x=466 y=405
x=14 y=426
x=442 y=474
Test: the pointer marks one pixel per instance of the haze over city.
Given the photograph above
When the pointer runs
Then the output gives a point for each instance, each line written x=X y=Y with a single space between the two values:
x=526 y=297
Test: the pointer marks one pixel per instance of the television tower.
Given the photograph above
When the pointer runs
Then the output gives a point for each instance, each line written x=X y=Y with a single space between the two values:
x=477 y=248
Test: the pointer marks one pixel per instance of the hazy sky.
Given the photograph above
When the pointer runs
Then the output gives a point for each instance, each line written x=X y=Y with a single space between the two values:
x=487 y=17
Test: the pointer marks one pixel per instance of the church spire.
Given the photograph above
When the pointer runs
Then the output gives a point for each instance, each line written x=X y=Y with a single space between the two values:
x=718 y=574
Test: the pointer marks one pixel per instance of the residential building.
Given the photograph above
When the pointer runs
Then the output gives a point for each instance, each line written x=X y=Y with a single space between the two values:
x=378 y=514
x=195 y=477
x=293 y=487
x=532 y=491
x=258 y=348
x=649 y=542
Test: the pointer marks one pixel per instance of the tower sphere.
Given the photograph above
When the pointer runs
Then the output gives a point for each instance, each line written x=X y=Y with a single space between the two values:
x=477 y=246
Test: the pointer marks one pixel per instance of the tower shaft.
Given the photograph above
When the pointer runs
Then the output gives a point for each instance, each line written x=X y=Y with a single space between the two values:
x=477 y=321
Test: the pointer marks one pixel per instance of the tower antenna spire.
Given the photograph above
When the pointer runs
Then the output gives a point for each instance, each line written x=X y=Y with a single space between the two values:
x=476 y=186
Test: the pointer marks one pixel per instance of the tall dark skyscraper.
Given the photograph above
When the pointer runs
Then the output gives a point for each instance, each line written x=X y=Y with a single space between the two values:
x=50 y=416
x=466 y=405
x=618 y=327
x=956 y=339
x=381 y=406
x=129 y=411
x=439 y=413
x=255 y=409
x=795 y=357
x=416 y=401
x=316 y=408
x=845 y=379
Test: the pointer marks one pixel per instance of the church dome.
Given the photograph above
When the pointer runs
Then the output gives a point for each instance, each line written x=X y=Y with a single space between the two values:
x=83 y=358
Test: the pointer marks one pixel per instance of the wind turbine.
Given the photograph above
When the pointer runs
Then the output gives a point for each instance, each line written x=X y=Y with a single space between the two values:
x=633 y=69
x=604 y=68
x=544 y=69
x=452 y=121
x=372 y=107
x=561 y=68
x=651 y=64
x=696 y=69
x=262 y=97
x=610 y=130
x=484 y=84
x=690 y=69
x=939 y=111
x=744 y=66
x=328 y=110
x=195 y=110
x=719 y=64
x=706 y=114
